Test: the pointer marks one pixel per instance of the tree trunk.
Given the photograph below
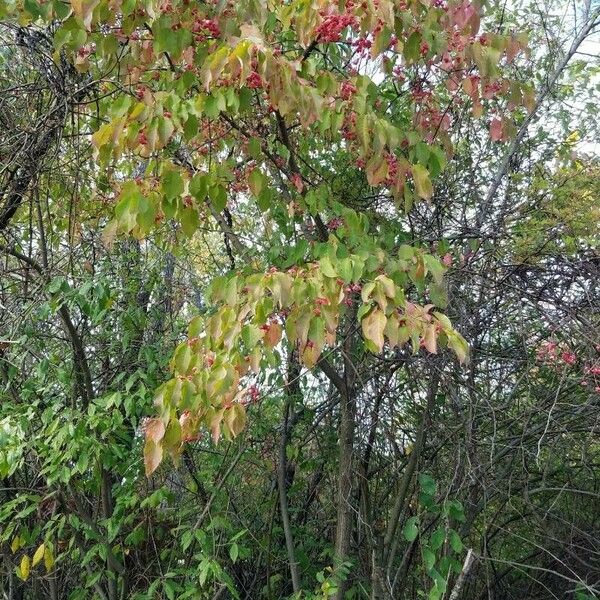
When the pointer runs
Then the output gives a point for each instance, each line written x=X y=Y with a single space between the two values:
x=292 y=390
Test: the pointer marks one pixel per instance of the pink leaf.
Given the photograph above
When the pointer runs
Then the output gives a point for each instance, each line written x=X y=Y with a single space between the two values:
x=154 y=430
x=496 y=130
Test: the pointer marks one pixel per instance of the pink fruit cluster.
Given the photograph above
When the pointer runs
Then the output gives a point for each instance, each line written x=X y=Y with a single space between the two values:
x=210 y=25
x=362 y=45
x=334 y=224
x=554 y=354
x=254 y=81
x=347 y=90
x=330 y=30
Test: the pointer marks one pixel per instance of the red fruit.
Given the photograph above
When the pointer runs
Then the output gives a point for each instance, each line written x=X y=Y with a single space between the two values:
x=254 y=81
x=347 y=90
x=297 y=181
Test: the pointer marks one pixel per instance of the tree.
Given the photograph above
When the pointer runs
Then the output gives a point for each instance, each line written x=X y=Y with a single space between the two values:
x=324 y=192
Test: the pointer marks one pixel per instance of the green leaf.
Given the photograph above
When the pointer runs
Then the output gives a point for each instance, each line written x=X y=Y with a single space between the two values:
x=190 y=128
x=410 y=530
x=165 y=129
x=412 y=48
x=234 y=552
x=169 y=589
x=182 y=358
x=256 y=182
x=172 y=184
x=211 y=107
x=199 y=186
x=265 y=199
x=435 y=593
x=438 y=295
x=428 y=558
x=427 y=484
x=381 y=41
x=406 y=252
x=56 y=285
x=251 y=335
x=437 y=538
x=455 y=541
x=455 y=510
x=327 y=267
x=254 y=148
x=435 y=267
x=190 y=221
x=218 y=197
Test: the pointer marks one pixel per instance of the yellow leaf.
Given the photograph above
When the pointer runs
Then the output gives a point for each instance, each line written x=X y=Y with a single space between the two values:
x=254 y=359
x=83 y=10
x=103 y=135
x=373 y=325
x=388 y=286
x=281 y=287
x=16 y=543
x=443 y=320
x=39 y=554
x=377 y=170
x=391 y=330
x=213 y=67
x=24 y=568
x=459 y=345
x=251 y=35
x=240 y=61
x=422 y=182
x=48 y=559
x=310 y=355
x=477 y=110
x=109 y=233
x=235 y=419
x=367 y=290
x=138 y=109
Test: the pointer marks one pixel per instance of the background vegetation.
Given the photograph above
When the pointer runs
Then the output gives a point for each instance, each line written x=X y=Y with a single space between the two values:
x=138 y=180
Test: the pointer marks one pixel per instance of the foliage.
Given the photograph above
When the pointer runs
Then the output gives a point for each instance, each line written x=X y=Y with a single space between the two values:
x=326 y=258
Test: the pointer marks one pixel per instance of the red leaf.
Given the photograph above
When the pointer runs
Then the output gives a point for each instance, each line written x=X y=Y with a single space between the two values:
x=152 y=456
x=496 y=130
x=154 y=430
x=462 y=14
x=272 y=335
x=430 y=339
